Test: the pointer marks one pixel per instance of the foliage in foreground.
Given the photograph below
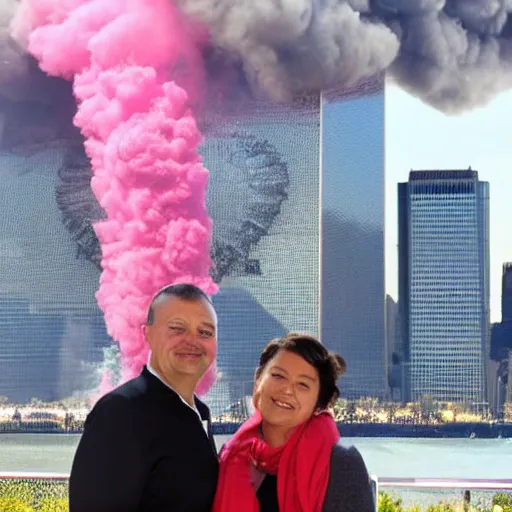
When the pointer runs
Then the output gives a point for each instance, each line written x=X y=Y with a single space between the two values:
x=387 y=503
x=33 y=495
x=47 y=496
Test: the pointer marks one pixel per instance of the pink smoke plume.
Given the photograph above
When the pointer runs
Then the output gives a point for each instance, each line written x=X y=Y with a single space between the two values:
x=142 y=140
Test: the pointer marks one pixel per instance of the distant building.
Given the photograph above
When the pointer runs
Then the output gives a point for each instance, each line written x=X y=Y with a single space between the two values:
x=501 y=339
x=320 y=263
x=353 y=316
x=501 y=342
x=444 y=284
x=393 y=366
x=506 y=293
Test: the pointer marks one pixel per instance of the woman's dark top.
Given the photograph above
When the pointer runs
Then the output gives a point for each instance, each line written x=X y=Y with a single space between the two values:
x=349 y=488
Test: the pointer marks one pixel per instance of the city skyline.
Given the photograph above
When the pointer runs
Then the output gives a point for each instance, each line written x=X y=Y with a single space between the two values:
x=354 y=155
x=476 y=139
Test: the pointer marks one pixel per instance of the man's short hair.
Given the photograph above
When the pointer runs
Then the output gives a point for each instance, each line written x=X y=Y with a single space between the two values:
x=184 y=291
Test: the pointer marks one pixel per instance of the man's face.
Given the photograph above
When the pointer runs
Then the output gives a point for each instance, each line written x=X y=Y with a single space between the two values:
x=183 y=337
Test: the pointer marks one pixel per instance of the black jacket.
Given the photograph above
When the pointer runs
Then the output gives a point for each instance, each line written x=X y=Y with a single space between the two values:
x=144 y=450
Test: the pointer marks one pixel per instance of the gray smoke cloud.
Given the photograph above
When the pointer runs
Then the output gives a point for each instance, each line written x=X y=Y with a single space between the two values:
x=291 y=47
x=34 y=108
x=21 y=80
x=14 y=66
x=453 y=54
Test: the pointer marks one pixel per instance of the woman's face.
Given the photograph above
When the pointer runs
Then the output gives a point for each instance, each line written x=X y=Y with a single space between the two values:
x=286 y=393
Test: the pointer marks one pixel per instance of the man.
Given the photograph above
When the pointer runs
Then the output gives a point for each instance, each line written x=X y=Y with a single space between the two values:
x=147 y=446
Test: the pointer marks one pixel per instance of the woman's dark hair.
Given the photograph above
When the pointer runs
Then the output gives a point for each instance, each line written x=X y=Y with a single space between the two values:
x=330 y=366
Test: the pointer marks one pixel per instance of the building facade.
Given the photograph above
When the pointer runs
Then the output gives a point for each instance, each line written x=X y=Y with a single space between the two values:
x=444 y=285
x=352 y=239
x=506 y=293
x=501 y=344
x=320 y=262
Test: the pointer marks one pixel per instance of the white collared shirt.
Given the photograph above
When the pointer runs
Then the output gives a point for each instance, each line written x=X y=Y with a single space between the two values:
x=194 y=408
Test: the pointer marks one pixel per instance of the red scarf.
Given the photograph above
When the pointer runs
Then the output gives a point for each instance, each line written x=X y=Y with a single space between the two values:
x=302 y=466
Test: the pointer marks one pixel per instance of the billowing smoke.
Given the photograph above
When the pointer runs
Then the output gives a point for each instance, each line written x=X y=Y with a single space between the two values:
x=142 y=141
x=34 y=108
x=296 y=46
x=20 y=77
x=453 y=54
x=14 y=66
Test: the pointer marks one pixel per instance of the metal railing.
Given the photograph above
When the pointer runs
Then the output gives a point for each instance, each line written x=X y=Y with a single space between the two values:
x=446 y=483
x=490 y=484
x=24 y=475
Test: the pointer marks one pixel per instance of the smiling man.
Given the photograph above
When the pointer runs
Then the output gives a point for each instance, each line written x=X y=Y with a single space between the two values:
x=147 y=446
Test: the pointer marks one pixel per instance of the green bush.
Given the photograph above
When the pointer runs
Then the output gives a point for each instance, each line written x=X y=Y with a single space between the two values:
x=504 y=501
x=54 y=505
x=441 y=507
x=389 y=503
x=14 y=505
x=33 y=496
x=51 y=496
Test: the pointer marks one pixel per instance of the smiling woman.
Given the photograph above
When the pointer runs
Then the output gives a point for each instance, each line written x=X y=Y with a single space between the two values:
x=287 y=456
x=296 y=377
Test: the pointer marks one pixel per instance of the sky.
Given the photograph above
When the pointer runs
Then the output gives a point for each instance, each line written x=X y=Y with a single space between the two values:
x=420 y=137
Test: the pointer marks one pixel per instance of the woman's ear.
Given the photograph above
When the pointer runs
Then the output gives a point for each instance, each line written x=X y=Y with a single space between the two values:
x=255 y=392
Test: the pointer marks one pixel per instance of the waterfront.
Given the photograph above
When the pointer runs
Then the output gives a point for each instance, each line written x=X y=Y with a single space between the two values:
x=394 y=457
x=390 y=457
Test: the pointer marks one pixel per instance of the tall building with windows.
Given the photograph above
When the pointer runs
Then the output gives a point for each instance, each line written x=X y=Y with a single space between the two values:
x=501 y=344
x=318 y=264
x=352 y=238
x=501 y=334
x=506 y=293
x=444 y=284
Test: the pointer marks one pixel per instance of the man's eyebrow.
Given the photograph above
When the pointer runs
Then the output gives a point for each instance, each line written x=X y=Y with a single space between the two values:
x=177 y=319
x=183 y=321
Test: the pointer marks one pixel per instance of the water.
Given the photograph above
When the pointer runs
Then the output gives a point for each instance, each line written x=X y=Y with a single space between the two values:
x=391 y=457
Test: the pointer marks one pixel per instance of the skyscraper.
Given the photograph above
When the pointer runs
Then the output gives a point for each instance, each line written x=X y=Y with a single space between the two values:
x=444 y=284
x=319 y=265
x=501 y=343
x=501 y=334
x=506 y=293
x=352 y=238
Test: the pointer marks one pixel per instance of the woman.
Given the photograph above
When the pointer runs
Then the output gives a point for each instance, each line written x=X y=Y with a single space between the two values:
x=287 y=457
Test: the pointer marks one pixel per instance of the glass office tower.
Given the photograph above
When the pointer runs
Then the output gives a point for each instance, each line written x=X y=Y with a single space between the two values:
x=444 y=284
